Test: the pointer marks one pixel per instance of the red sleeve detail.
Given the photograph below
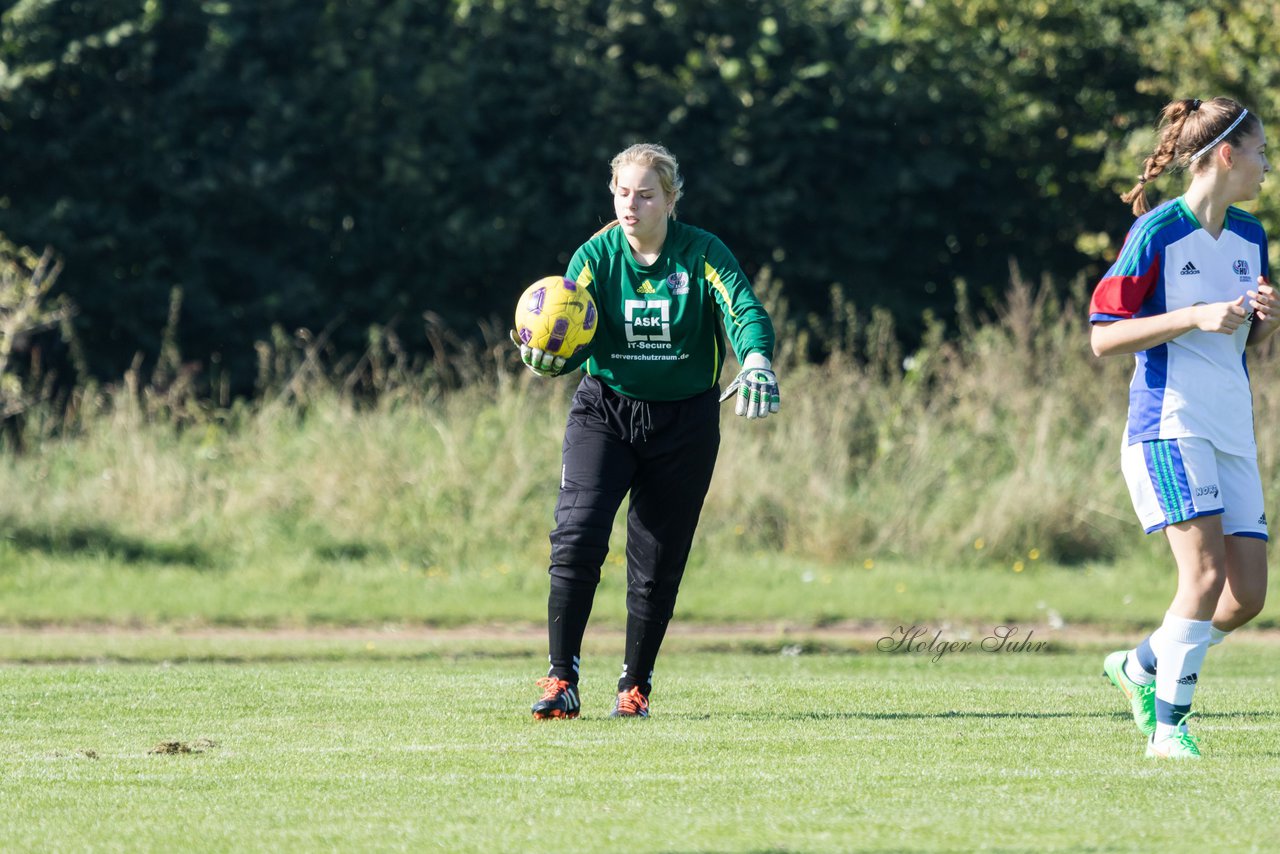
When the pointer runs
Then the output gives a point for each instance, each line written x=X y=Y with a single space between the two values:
x=1123 y=296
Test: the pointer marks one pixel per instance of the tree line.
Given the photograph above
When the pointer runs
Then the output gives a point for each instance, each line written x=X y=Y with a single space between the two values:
x=351 y=164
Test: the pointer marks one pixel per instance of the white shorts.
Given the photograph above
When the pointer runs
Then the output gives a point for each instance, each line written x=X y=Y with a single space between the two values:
x=1173 y=480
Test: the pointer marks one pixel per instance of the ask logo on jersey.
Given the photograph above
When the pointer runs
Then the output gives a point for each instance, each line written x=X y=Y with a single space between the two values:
x=648 y=323
x=1241 y=269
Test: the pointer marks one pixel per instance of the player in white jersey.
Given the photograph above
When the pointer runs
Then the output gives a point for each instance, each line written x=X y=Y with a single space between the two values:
x=1187 y=295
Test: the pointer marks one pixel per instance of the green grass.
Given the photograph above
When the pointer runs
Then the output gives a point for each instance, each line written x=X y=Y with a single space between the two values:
x=40 y=588
x=973 y=486
x=422 y=746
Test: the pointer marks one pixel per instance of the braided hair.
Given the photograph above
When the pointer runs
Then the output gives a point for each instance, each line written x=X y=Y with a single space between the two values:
x=1188 y=129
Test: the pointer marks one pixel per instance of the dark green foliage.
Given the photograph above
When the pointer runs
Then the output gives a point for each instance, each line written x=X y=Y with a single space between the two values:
x=304 y=163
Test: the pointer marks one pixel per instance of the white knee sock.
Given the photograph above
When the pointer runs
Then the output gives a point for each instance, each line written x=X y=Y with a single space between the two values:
x=1140 y=665
x=1180 y=646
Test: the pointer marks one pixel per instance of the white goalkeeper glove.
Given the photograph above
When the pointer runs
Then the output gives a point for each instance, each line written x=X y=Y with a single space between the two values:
x=756 y=387
x=540 y=362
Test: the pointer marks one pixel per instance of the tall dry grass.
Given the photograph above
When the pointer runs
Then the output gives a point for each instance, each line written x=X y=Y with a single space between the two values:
x=997 y=440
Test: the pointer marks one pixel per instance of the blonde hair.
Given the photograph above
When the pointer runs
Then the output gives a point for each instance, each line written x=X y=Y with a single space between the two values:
x=651 y=156
x=1186 y=127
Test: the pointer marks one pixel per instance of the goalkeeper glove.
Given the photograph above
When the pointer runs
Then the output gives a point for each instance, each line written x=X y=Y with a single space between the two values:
x=756 y=387
x=540 y=362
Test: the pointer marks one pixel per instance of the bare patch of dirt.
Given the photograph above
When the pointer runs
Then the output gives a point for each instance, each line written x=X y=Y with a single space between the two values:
x=85 y=753
x=171 y=748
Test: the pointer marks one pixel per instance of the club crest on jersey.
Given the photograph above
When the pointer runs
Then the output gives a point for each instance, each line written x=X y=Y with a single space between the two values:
x=646 y=287
x=678 y=283
x=1242 y=269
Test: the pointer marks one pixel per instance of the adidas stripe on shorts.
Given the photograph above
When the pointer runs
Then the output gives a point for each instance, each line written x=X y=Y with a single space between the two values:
x=1173 y=480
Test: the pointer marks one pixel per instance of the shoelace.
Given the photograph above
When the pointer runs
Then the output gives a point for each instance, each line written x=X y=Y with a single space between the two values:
x=1185 y=738
x=632 y=702
x=552 y=687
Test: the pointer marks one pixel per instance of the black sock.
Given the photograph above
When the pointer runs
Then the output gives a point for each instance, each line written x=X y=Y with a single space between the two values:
x=568 y=608
x=644 y=638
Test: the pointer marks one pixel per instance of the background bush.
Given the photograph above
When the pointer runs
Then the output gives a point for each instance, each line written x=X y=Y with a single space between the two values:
x=342 y=164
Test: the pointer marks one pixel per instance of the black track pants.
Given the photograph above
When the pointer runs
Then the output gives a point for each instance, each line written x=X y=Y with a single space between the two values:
x=663 y=453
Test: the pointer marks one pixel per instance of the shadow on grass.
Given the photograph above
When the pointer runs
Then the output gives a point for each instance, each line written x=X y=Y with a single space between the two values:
x=95 y=540
x=895 y=716
x=941 y=716
x=350 y=550
x=238 y=659
x=931 y=850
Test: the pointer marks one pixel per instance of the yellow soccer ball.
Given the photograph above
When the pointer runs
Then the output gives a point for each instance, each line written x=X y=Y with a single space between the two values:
x=556 y=315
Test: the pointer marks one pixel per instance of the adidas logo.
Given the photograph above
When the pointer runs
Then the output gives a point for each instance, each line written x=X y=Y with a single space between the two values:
x=1188 y=680
x=1189 y=269
x=647 y=288
x=1262 y=520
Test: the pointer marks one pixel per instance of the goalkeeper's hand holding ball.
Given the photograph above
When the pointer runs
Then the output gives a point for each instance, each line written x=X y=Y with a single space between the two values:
x=540 y=362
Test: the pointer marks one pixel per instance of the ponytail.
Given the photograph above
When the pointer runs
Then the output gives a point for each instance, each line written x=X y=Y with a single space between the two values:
x=1172 y=119
x=1188 y=129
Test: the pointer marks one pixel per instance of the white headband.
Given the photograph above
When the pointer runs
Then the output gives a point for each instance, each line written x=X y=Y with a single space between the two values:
x=1220 y=137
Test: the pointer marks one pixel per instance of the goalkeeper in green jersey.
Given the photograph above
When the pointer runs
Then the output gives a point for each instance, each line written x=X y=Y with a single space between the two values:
x=645 y=417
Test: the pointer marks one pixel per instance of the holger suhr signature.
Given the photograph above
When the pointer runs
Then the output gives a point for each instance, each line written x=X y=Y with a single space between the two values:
x=922 y=640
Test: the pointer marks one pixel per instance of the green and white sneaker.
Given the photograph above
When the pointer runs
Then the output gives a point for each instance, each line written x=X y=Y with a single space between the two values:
x=1182 y=745
x=1142 y=698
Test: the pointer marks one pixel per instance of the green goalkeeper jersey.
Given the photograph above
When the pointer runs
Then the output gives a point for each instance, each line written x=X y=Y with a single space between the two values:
x=662 y=327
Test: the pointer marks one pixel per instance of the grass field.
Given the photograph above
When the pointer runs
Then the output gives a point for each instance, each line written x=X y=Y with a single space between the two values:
x=60 y=588
x=347 y=744
x=313 y=621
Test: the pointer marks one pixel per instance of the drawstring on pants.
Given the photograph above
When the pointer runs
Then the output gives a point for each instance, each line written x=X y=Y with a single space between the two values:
x=642 y=417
